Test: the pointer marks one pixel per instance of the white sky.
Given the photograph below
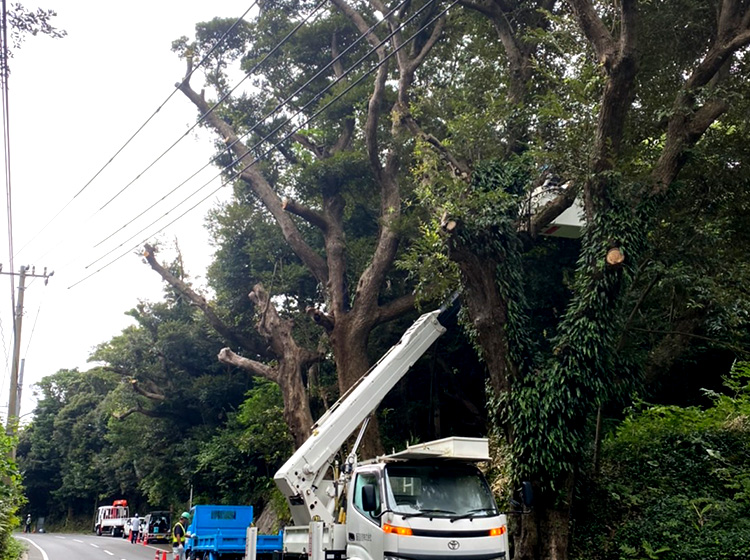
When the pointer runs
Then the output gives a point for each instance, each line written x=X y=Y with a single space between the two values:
x=73 y=103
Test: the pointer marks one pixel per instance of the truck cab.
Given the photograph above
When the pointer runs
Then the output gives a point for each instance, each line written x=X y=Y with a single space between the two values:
x=423 y=508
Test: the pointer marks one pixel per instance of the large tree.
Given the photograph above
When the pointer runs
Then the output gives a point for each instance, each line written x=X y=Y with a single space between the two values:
x=335 y=192
x=587 y=100
x=617 y=115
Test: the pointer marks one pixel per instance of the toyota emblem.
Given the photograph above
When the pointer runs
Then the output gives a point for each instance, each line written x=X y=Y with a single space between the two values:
x=454 y=545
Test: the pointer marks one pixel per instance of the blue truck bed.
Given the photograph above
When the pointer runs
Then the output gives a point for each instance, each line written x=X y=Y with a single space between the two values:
x=222 y=531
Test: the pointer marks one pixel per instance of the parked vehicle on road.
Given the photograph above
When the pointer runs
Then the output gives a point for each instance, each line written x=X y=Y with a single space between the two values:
x=110 y=520
x=428 y=501
x=156 y=527
x=220 y=533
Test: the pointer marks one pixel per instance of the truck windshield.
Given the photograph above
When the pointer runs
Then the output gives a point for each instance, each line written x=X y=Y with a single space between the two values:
x=438 y=490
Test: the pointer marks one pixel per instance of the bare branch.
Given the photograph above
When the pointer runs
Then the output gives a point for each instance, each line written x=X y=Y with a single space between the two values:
x=148 y=394
x=396 y=308
x=260 y=187
x=305 y=212
x=328 y=322
x=200 y=302
x=427 y=47
x=460 y=168
x=595 y=30
x=228 y=357
x=137 y=409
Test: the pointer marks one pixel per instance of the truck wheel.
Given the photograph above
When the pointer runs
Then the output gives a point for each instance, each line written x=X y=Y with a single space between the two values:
x=99 y=530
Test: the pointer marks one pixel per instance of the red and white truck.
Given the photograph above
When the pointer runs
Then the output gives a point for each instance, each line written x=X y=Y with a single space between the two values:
x=110 y=520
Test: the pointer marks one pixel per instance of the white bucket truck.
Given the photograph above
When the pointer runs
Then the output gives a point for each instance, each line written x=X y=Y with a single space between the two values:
x=429 y=501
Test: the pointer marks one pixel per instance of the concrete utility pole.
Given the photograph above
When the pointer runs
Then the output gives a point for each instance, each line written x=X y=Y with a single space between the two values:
x=15 y=390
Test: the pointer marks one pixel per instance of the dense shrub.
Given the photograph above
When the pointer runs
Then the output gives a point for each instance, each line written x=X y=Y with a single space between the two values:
x=674 y=484
x=10 y=500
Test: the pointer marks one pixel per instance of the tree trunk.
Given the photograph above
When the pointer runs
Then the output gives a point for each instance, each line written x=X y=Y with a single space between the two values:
x=544 y=534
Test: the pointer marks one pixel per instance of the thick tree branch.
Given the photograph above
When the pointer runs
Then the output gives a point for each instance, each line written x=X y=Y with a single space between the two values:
x=199 y=301
x=396 y=308
x=417 y=61
x=306 y=213
x=325 y=320
x=148 y=394
x=460 y=168
x=309 y=145
x=688 y=123
x=260 y=187
x=226 y=356
x=595 y=30
x=137 y=409
x=278 y=331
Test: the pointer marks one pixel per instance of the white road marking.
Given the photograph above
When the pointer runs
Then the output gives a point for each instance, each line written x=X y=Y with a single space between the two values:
x=94 y=545
x=39 y=548
x=59 y=537
x=110 y=553
x=78 y=541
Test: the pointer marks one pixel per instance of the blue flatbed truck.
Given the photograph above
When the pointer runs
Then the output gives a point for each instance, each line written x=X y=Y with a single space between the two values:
x=220 y=533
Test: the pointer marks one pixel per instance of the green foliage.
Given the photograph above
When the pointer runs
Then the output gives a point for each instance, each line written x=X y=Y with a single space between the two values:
x=94 y=438
x=11 y=499
x=674 y=483
x=548 y=411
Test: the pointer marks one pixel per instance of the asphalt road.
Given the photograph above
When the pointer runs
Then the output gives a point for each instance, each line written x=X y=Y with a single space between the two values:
x=57 y=546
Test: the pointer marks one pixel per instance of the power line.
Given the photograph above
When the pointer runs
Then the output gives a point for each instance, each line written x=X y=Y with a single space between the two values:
x=203 y=117
x=140 y=128
x=4 y=74
x=273 y=147
x=278 y=107
x=219 y=102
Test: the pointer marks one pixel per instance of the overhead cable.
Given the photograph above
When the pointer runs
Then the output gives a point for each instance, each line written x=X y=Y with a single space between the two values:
x=276 y=109
x=258 y=158
x=219 y=102
x=4 y=74
x=262 y=119
x=140 y=128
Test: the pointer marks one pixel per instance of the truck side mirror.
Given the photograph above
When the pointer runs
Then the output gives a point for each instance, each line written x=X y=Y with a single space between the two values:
x=527 y=494
x=369 y=500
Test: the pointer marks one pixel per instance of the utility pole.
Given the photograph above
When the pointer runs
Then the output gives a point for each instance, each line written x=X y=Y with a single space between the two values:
x=13 y=400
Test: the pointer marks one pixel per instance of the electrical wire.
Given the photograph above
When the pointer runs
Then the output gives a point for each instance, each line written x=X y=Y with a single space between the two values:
x=4 y=74
x=289 y=119
x=142 y=126
x=278 y=107
x=258 y=158
x=219 y=102
x=203 y=117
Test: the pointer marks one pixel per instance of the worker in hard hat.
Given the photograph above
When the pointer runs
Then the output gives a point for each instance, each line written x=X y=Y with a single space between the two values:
x=135 y=526
x=178 y=536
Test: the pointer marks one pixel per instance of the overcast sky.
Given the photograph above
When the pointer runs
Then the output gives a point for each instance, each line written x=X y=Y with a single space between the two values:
x=74 y=102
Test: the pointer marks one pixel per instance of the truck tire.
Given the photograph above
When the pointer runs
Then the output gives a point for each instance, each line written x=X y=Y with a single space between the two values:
x=99 y=530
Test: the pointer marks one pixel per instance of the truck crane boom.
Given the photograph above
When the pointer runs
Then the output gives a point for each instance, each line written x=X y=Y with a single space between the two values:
x=301 y=478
